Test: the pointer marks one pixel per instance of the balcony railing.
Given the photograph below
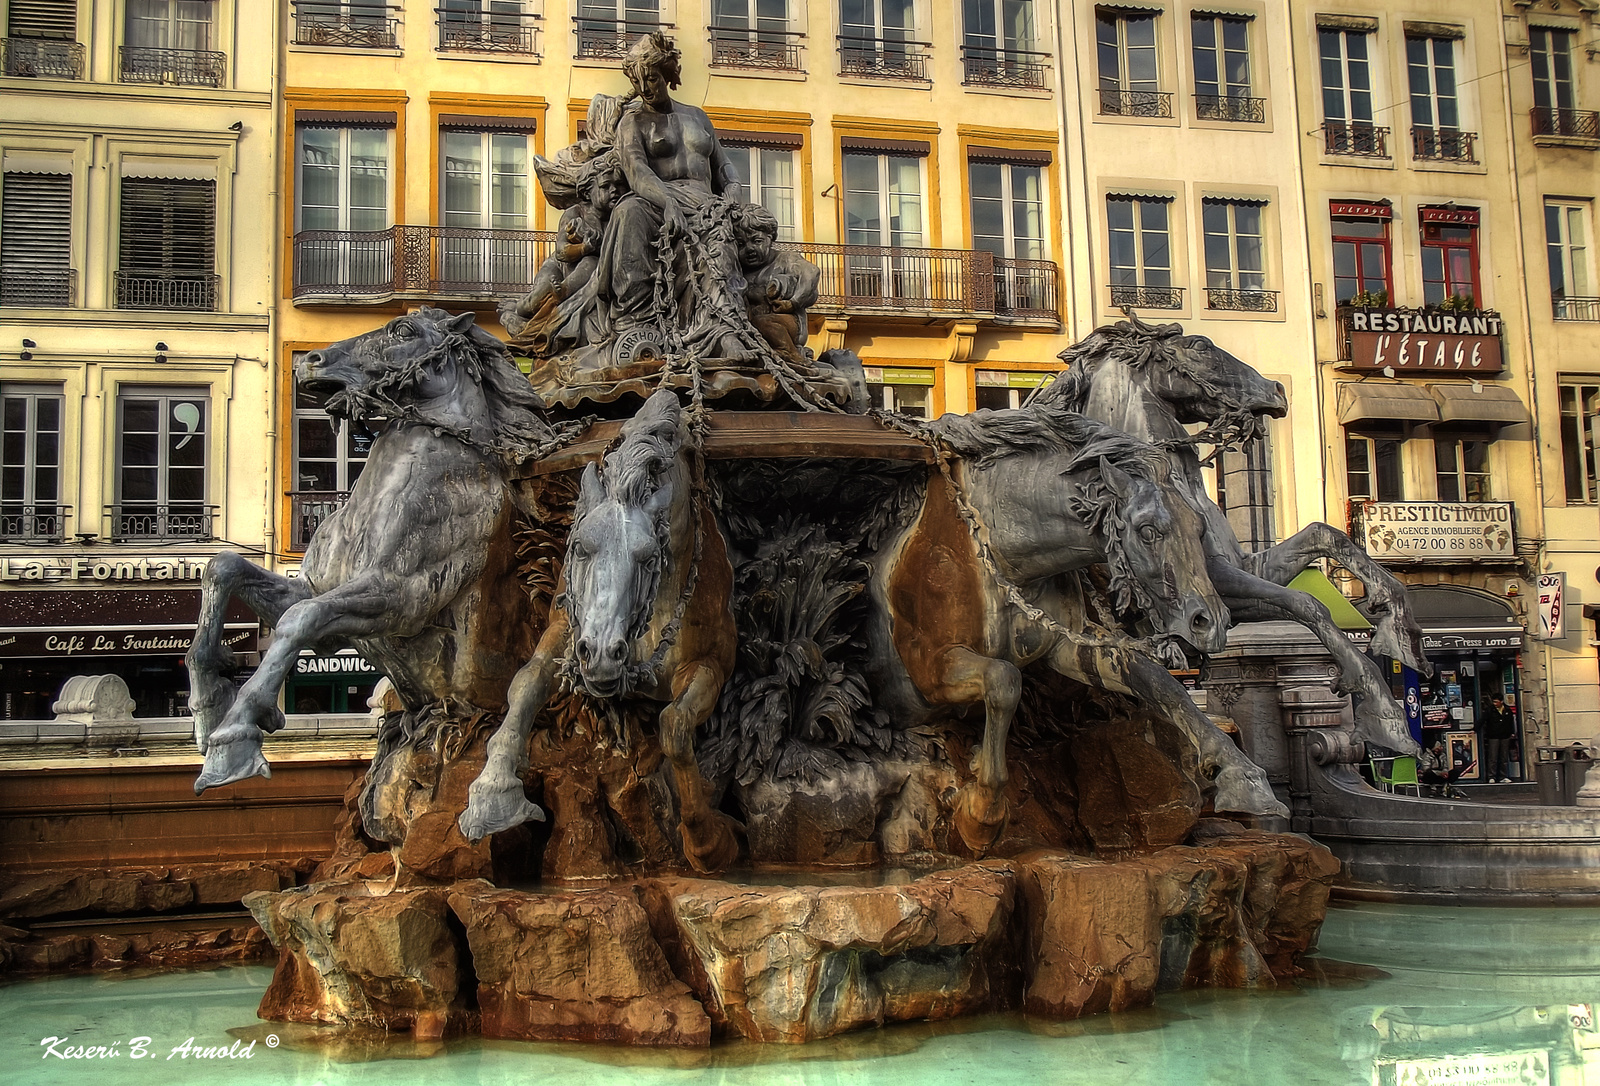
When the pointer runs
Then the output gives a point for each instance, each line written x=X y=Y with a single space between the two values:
x=185 y=67
x=417 y=261
x=1227 y=107
x=1128 y=294
x=344 y=25
x=1575 y=309
x=33 y=522
x=309 y=508
x=1025 y=289
x=167 y=290
x=39 y=287
x=883 y=58
x=609 y=39
x=761 y=50
x=150 y=520
x=1357 y=140
x=1442 y=145
x=1581 y=124
x=1244 y=301
x=510 y=32
x=926 y=281
x=46 y=58
x=988 y=66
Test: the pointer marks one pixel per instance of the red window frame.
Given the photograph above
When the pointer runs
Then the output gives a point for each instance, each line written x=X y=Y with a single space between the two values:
x=1447 y=232
x=1347 y=211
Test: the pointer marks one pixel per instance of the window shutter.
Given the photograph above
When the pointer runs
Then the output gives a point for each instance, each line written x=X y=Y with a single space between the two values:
x=42 y=19
x=168 y=226
x=36 y=239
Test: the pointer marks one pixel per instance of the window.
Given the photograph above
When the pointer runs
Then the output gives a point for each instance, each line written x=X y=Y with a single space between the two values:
x=42 y=40
x=876 y=38
x=1449 y=255
x=161 y=465
x=1222 y=69
x=753 y=34
x=1362 y=270
x=36 y=240
x=1139 y=230
x=1372 y=468
x=907 y=391
x=883 y=209
x=167 y=244
x=485 y=26
x=342 y=189
x=30 y=463
x=607 y=29
x=169 y=41
x=1244 y=492
x=354 y=24
x=1235 y=256
x=1435 y=109
x=329 y=454
x=1462 y=469
x=1566 y=235
x=999 y=390
x=768 y=176
x=1347 y=94
x=997 y=45
x=1008 y=221
x=1580 y=436
x=484 y=179
x=1550 y=59
x=1129 y=68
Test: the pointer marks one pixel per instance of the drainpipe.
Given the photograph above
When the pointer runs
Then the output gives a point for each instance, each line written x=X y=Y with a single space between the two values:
x=1066 y=21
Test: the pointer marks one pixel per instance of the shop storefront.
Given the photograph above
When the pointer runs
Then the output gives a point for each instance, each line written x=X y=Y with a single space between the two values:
x=1475 y=645
x=337 y=683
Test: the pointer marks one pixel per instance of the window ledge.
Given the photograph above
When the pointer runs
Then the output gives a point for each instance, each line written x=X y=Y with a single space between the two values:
x=346 y=50
x=1581 y=142
x=135 y=92
x=1355 y=162
x=487 y=58
x=1143 y=122
x=147 y=318
x=1435 y=165
x=869 y=81
x=785 y=75
x=1008 y=92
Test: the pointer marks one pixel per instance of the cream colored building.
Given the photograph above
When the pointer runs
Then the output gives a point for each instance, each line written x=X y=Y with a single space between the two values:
x=136 y=263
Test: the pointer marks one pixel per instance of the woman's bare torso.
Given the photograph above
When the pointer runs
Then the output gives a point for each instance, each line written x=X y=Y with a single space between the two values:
x=679 y=146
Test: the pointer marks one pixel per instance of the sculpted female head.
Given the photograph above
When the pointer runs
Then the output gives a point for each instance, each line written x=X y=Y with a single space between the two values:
x=653 y=66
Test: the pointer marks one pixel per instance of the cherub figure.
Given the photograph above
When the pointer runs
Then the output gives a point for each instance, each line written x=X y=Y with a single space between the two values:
x=779 y=285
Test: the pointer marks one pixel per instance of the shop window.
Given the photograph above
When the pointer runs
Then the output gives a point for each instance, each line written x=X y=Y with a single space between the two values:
x=1128 y=64
x=1139 y=229
x=1566 y=236
x=1222 y=78
x=343 y=192
x=1372 y=469
x=1347 y=90
x=30 y=463
x=166 y=252
x=1449 y=257
x=768 y=176
x=329 y=455
x=169 y=41
x=1580 y=433
x=1235 y=254
x=906 y=391
x=36 y=240
x=1362 y=260
x=883 y=208
x=1435 y=103
x=1462 y=470
x=484 y=190
x=999 y=390
x=162 y=438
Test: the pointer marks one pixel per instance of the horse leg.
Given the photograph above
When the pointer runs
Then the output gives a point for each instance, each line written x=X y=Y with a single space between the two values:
x=269 y=595
x=964 y=677
x=708 y=839
x=496 y=800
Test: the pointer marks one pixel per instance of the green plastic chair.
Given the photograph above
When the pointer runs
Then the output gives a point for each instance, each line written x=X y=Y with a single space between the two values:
x=1402 y=774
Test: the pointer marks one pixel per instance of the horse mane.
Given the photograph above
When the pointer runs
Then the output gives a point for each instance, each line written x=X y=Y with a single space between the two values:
x=650 y=441
x=987 y=436
x=1129 y=341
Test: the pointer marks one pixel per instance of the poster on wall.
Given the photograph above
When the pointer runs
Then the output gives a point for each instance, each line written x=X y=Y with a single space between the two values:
x=1436 y=531
x=1552 y=589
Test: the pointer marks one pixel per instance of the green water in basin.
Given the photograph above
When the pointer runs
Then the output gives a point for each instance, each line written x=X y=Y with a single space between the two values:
x=1396 y=994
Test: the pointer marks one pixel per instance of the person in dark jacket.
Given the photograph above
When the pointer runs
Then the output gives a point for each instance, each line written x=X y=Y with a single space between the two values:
x=1496 y=727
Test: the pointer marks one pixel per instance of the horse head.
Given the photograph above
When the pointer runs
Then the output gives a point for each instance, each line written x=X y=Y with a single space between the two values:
x=620 y=546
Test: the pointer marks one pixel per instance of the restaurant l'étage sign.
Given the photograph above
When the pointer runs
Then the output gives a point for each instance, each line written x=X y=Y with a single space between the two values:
x=1428 y=341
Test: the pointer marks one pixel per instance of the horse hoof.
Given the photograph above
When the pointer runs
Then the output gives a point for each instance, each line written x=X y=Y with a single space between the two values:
x=712 y=848
x=1240 y=794
x=492 y=811
x=232 y=761
x=980 y=821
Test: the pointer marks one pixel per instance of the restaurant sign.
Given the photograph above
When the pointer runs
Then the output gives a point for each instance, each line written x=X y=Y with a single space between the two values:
x=1436 y=531
x=1529 y=1067
x=1424 y=341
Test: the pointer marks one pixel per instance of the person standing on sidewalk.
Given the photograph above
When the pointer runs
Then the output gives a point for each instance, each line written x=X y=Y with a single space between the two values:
x=1496 y=727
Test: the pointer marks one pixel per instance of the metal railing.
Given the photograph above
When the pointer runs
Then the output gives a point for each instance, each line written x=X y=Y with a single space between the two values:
x=167 y=290
x=33 y=522
x=418 y=261
x=1575 y=309
x=151 y=520
x=1135 y=103
x=990 y=66
x=346 y=25
x=932 y=281
x=511 y=32
x=1245 y=301
x=1026 y=289
x=50 y=58
x=309 y=508
x=186 y=67
x=1357 y=140
x=1575 y=123
x=764 y=50
x=39 y=287
x=1146 y=297
x=883 y=58
x=1227 y=107
x=1443 y=144
x=609 y=39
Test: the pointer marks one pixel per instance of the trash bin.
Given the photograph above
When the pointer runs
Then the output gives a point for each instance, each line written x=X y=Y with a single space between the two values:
x=1550 y=770
x=1575 y=765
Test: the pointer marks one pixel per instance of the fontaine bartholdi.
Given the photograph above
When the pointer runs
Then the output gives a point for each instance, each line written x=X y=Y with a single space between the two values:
x=726 y=706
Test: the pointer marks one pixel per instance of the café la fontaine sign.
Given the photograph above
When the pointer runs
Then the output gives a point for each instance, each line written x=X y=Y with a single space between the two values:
x=1466 y=343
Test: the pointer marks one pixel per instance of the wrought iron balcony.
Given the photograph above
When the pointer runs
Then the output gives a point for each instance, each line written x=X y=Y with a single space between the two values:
x=1577 y=124
x=883 y=58
x=761 y=50
x=33 y=522
x=1575 y=309
x=185 y=67
x=1357 y=140
x=1026 y=289
x=609 y=39
x=1134 y=103
x=1245 y=301
x=1139 y=297
x=176 y=521
x=928 y=282
x=423 y=262
x=341 y=24
x=41 y=58
x=39 y=287
x=988 y=66
x=1228 y=107
x=511 y=32
x=1442 y=145
x=138 y=289
x=309 y=508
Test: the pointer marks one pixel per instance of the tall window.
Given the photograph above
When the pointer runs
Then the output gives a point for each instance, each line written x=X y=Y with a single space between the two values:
x=1128 y=64
x=485 y=188
x=169 y=41
x=883 y=208
x=1347 y=113
x=42 y=39
x=877 y=37
x=608 y=28
x=166 y=254
x=1580 y=435
x=161 y=465
x=1236 y=276
x=1462 y=469
x=329 y=454
x=753 y=34
x=1435 y=108
x=1372 y=468
x=30 y=462
x=1008 y=221
x=1139 y=232
x=998 y=43
x=342 y=190
x=1566 y=236
x=484 y=26
x=1222 y=85
x=1550 y=58
x=1449 y=258
x=36 y=240
x=1362 y=267
x=768 y=176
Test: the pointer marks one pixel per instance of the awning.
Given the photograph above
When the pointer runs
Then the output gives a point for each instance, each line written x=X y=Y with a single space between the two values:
x=1315 y=584
x=1366 y=401
x=171 y=169
x=1489 y=403
x=1125 y=193
x=739 y=137
x=476 y=123
x=917 y=148
x=44 y=162
x=1454 y=619
x=977 y=152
